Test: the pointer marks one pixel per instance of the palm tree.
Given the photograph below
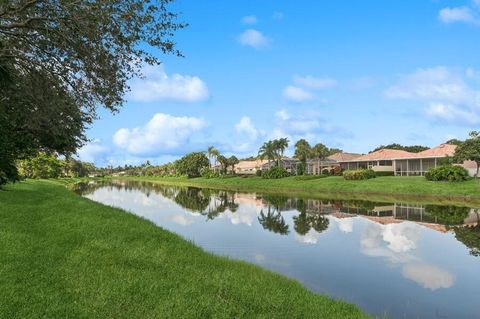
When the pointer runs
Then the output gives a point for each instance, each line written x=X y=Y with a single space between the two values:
x=320 y=152
x=273 y=221
x=303 y=151
x=280 y=146
x=267 y=151
x=212 y=152
x=232 y=161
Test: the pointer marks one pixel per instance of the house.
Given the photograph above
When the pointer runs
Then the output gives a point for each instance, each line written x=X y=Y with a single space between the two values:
x=402 y=163
x=290 y=164
x=249 y=167
x=316 y=167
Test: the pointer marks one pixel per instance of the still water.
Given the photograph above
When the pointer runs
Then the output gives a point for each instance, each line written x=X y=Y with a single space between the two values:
x=395 y=259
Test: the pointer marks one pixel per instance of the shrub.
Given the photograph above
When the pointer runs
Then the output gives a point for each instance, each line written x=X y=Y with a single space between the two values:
x=360 y=174
x=275 y=172
x=447 y=173
x=258 y=173
x=325 y=172
x=384 y=173
x=336 y=171
x=206 y=172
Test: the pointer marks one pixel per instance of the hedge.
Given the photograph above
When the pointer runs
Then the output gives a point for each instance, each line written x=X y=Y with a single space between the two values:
x=360 y=174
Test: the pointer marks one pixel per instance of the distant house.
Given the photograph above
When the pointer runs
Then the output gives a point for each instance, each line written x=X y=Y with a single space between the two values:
x=290 y=164
x=316 y=167
x=249 y=167
x=402 y=163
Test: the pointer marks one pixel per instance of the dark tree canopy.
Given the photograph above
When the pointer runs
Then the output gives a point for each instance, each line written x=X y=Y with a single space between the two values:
x=60 y=60
x=396 y=146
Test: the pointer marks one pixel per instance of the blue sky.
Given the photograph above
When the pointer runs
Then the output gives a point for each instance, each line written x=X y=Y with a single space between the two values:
x=349 y=74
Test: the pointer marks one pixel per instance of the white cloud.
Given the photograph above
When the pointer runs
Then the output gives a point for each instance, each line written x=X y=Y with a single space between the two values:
x=159 y=86
x=456 y=14
x=345 y=225
x=253 y=38
x=246 y=126
x=92 y=151
x=282 y=115
x=297 y=94
x=449 y=93
x=251 y=19
x=309 y=238
x=451 y=113
x=314 y=83
x=163 y=134
x=428 y=276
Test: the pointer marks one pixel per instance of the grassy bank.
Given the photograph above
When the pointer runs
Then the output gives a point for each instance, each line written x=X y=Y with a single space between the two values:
x=389 y=188
x=65 y=256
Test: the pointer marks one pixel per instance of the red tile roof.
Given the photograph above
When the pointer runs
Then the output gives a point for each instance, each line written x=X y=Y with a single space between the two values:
x=441 y=150
x=382 y=155
x=340 y=156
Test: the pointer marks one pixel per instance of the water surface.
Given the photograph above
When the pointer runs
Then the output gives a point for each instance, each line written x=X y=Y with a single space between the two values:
x=398 y=259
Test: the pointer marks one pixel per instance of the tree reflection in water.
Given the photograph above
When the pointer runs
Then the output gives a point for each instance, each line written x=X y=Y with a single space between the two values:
x=305 y=221
x=273 y=221
x=312 y=212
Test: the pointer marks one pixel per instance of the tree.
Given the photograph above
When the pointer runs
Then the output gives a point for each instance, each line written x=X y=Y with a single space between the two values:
x=396 y=146
x=212 y=153
x=303 y=151
x=469 y=150
x=191 y=164
x=273 y=221
x=320 y=152
x=267 y=150
x=232 y=161
x=223 y=163
x=279 y=146
x=60 y=60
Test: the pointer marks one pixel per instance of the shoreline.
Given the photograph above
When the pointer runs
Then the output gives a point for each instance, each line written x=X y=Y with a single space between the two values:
x=410 y=189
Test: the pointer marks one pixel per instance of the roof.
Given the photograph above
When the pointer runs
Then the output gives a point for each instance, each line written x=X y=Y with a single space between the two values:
x=442 y=150
x=340 y=156
x=470 y=165
x=250 y=164
x=382 y=155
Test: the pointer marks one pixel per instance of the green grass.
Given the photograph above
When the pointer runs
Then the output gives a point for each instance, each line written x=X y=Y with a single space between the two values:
x=63 y=256
x=386 y=188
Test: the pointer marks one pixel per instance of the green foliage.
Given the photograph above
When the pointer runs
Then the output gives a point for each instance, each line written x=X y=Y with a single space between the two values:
x=61 y=60
x=191 y=164
x=207 y=172
x=275 y=172
x=258 y=173
x=396 y=146
x=3 y=178
x=301 y=169
x=41 y=166
x=273 y=150
x=448 y=215
x=469 y=150
x=447 y=173
x=361 y=174
x=470 y=237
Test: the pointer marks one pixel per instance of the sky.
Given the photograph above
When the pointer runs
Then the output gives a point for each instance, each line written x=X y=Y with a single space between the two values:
x=348 y=74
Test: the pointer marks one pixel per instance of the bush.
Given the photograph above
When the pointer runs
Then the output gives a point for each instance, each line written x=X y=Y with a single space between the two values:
x=336 y=171
x=447 y=173
x=275 y=172
x=360 y=174
x=326 y=172
x=206 y=172
x=258 y=173
x=384 y=173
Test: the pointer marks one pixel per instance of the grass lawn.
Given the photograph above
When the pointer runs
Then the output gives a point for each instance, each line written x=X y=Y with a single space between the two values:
x=65 y=256
x=387 y=188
